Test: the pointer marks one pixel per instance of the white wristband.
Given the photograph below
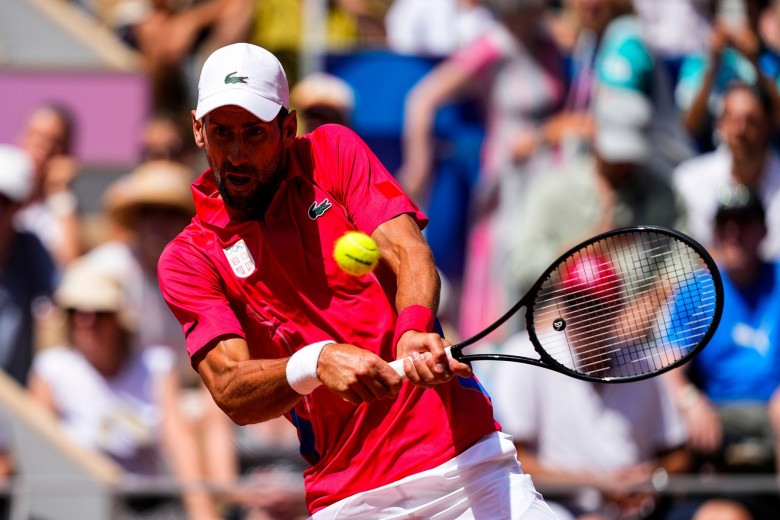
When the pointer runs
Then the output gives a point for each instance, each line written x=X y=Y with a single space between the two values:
x=302 y=368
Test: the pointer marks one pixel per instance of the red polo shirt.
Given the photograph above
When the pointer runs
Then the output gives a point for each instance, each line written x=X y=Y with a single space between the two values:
x=275 y=283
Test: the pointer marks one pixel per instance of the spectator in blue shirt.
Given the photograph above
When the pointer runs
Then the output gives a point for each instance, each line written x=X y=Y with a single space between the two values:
x=729 y=392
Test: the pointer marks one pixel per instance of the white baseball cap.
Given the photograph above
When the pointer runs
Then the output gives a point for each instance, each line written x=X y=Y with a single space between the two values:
x=16 y=173
x=244 y=75
x=622 y=118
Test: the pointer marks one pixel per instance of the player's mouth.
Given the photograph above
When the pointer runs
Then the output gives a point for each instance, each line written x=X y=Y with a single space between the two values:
x=237 y=181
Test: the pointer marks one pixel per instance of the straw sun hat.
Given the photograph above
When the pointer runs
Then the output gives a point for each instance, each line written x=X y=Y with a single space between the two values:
x=155 y=183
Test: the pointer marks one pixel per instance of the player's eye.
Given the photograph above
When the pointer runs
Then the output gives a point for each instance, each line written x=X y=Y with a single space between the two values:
x=220 y=130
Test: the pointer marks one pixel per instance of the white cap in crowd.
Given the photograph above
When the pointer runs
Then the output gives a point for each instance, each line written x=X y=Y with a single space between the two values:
x=622 y=125
x=244 y=75
x=16 y=173
x=321 y=88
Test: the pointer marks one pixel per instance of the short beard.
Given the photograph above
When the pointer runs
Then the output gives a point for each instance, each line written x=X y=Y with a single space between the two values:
x=257 y=202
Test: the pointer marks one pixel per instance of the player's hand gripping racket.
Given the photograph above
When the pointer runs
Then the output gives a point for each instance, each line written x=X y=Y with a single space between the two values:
x=625 y=305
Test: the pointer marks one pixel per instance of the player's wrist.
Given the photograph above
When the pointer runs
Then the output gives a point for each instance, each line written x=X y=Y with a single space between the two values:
x=413 y=317
x=301 y=368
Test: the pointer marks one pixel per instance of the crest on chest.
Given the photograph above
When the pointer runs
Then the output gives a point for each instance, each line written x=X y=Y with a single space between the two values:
x=240 y=259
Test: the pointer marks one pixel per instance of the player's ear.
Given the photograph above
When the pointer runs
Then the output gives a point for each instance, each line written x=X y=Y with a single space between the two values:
x=290 y=126
x=197 y=130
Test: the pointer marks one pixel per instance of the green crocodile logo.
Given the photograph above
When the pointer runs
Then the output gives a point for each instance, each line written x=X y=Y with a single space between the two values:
x=316 y=210
x=235 y=79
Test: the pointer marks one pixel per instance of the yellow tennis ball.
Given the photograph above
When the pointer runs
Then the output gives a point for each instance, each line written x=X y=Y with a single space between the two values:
x=356 y=253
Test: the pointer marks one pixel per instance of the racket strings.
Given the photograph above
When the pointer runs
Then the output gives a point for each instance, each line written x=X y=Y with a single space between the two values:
x=614 y=320
x=563 y=291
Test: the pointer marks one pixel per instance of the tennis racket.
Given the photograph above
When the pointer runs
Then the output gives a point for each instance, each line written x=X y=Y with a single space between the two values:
x=622 y=306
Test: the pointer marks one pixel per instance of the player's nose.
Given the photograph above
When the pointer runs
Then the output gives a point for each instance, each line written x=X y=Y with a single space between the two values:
x=238 y=152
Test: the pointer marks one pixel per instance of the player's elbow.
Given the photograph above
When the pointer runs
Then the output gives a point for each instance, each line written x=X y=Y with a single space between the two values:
x=237 y=410
x=239 y=417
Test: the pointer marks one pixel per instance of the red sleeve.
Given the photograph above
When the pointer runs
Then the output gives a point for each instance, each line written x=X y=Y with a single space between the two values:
x=349 y=170
x=193 y=290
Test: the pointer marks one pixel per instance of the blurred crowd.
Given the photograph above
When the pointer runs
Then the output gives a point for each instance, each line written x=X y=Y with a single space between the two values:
x=596 y=114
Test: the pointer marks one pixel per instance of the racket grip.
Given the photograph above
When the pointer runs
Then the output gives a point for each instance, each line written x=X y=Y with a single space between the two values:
x=398 y=364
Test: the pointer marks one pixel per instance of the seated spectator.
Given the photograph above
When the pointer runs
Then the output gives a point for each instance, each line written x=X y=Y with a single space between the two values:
x=613 y=188
x=27 y=272
x=27 y=276
x=50 y=212
x=737 y=52
x=729 y=392
x=745 y=157
x=603 y=440
x=150 y=206
x=611 y=53
x=515 y=70
x=110 y=396
x=321 y=98
x=168 y=137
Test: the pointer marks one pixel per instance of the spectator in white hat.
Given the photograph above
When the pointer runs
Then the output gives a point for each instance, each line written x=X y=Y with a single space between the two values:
x=112 y=397
x=613 y=187
x=149 y=206
x=27 y=272
x=321 y=98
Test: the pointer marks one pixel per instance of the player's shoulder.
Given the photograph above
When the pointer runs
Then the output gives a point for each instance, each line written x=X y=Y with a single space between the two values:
x=191 y=242
x=333 y=134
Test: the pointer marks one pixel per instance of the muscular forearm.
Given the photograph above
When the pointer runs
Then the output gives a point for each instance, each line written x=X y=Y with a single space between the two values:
x=418 y=280
x=253 y=383
x=248 y=391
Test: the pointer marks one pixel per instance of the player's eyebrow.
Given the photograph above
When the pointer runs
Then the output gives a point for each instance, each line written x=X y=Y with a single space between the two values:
x=254 y=124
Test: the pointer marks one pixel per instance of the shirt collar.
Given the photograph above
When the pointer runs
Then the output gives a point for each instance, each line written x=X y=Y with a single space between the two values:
x=209 y=206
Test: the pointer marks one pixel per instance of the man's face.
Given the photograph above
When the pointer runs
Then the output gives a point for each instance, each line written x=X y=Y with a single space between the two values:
x=737 y=239
x=744 y=125
x=246 y=154
x=44 y=137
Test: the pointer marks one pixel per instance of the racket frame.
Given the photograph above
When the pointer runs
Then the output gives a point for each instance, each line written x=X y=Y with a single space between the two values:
x=546 y=361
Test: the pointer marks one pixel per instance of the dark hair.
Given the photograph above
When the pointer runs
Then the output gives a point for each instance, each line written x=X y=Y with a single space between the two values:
x=281 y=116
x=761 y=95
x=738 y=203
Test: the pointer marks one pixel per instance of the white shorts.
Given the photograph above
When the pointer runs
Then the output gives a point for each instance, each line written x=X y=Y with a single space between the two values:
x=484 y=482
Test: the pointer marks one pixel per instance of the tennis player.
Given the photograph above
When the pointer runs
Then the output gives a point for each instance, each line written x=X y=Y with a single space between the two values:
x=274 y=327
